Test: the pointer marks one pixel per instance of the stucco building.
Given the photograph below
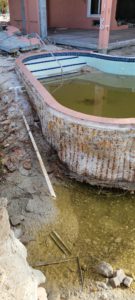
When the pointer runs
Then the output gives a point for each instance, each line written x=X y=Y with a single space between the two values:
x=103 y=15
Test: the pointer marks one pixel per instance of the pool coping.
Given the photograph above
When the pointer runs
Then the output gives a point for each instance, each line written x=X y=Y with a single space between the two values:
x=50 y=100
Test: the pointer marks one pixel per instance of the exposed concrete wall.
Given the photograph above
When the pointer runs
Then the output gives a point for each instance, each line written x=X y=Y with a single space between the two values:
x=43 y=18
x=100 y=151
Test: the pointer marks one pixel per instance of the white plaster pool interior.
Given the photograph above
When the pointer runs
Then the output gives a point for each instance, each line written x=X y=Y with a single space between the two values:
x=49 y=65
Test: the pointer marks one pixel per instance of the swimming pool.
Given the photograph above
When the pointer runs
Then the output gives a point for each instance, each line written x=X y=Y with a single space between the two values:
x=99 y=150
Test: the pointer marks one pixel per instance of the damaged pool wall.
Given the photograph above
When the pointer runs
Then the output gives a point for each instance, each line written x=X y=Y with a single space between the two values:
x=100 y=151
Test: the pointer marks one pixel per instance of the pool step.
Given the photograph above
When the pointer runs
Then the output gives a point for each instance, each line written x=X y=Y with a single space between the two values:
x=56 y=67
x=52 y=77
x=58 y=71
x=49 y=59
x=54 y=64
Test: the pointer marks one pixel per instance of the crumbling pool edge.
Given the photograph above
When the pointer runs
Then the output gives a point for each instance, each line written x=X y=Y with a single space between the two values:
x=100 y=151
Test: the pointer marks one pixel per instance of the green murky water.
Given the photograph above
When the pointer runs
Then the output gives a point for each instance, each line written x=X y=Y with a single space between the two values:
x=96 y=225
x=96 y=94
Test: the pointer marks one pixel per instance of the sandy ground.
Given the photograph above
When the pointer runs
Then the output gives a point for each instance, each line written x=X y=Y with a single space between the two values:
x=29 y=203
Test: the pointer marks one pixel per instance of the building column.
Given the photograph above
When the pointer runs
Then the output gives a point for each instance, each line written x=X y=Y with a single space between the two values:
x=43 y=18
x=23 y=15
x=105 y=25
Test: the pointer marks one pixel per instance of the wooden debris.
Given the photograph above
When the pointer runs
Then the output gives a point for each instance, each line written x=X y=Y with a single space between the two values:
x=44 y=264
x=80 y=272
x=50 y=187
x=59 y=242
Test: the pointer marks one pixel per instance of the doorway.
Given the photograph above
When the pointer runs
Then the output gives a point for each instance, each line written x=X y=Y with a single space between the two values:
x=125 y=11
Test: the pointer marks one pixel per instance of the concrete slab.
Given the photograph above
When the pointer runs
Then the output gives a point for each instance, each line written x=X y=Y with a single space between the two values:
x=12 y=41
x=88 y=39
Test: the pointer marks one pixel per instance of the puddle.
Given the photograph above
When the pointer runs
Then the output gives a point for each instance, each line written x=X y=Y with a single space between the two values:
x=97 y=94
x=96 y=225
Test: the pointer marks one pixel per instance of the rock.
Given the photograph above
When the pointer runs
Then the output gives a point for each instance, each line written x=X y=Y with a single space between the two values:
x=54 y=296
x=109 y=287
x=120 y=275
x=4 y=225
x=5 y=122
x=24 y=172
x=118 y=278
x=27 y=164
x=103 y=297
x=102 y=285
x=10 y=163
x=104 y=269
x=118 y=240
x=6 y=145
x=3 y=202
x=16 y=220
x=114 y=282
x=128 y=281
x=18 y=280
x=36 y=206
x=18 y=232
x=39 y=276
x=41 y=294
x=19 y=152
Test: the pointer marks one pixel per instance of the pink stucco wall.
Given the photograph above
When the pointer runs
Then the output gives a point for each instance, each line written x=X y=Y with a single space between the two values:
x=32 y=16
x=73 y=14
x=31 y=12
x=61 y=13
x=15 y=13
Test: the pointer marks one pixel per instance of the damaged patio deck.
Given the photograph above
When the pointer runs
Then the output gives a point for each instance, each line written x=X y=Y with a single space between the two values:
x=88 y=39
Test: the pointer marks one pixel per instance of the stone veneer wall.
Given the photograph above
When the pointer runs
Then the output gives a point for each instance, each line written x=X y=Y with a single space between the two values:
x=99 y=151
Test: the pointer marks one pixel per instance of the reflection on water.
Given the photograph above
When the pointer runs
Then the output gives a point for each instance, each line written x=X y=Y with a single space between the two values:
x=96 y=225
x=100 y=95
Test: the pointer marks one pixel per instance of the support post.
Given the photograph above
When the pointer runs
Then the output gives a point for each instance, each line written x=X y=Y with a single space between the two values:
x=23 y=16
x=105 y=25
x=43 y=18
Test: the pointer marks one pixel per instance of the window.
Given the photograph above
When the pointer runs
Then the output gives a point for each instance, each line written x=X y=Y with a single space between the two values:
x=94 y=8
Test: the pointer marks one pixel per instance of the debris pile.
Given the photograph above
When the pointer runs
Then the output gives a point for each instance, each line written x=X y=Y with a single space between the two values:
x=115 y=278
x=12 y=41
